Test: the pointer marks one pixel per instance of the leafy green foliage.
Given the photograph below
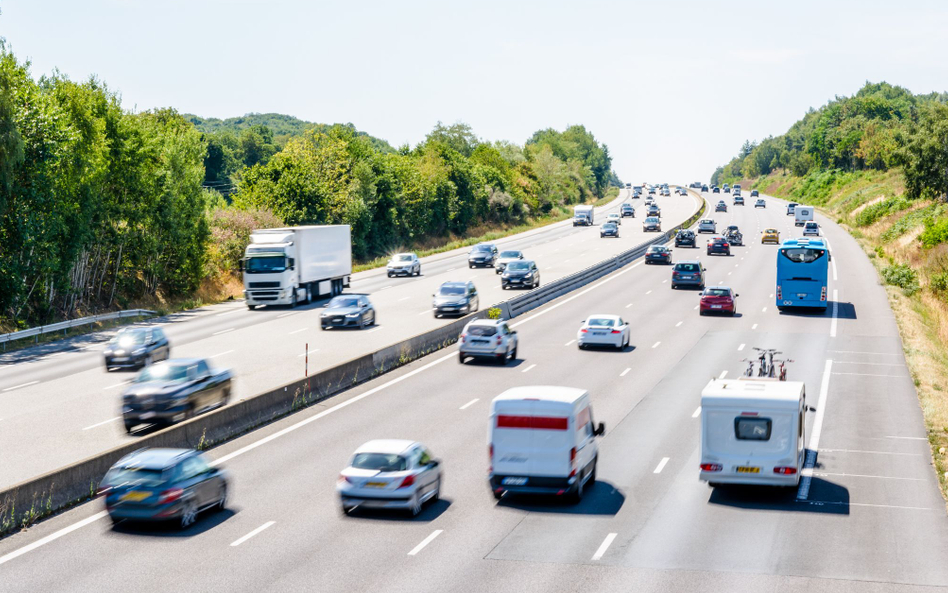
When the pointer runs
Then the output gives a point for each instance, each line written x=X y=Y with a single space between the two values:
x=935 y=233
x=903 y=276
x=874 y=212
x=925 y=156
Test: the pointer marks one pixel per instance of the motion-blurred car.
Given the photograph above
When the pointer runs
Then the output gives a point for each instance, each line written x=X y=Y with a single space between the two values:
x=718 y=299
x=523 y=273
x=652 y=223
x=770 y=236
x=716 y=190
x=505 y=258
x=455 y=298
x=707 y=225
x=734 y=235
x=390 y=474
x=603 y=330
x=163 y=485
x=488 y=338
x=760 y=203
x=174 y=390
x=754 y=193
x=609 y=229
x=720 y=207
x=614 y=217
x=685 y=237
x=665 y=192
x=719 y=245
x=627 y=210
x=136 y=347
x=688 y=273
x=406 y=264
x=482 y=255
x=348 y=310
x=811 y=229
x=704 y=188
x=658 y=254
x=727 y=188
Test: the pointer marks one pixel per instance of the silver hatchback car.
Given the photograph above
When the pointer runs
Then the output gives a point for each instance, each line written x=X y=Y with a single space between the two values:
x=390 y=474
x=488 y=338
x=707 y=226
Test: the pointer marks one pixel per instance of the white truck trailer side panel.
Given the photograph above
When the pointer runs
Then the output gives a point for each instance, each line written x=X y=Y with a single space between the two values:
x=322 y=252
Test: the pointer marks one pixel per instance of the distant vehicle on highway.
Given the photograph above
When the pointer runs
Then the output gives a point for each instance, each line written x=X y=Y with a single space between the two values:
x=653 y=210
x=707 y=225
x=651 y=190
x=505 y=258
x=542 y=440
x=727 y=188
x=811 y=229
x=791 y=207
x=733 y=235
x=294 y=265
x=760 y=203
x=609 y=229
x=455 y=298
x=704 y=188
x=755 y=193
x=163 y=485
x=627 y=210
x=404 y=264
x=524 y=273
x=390 y=474
x=615 y=217
x=719 y=245
x=738 y=200
x=720 y=207
x=718 y=299
x=802 y=215
x=770 y=236
x=752 y=432
x=349 y=310
x=652 y=223
x=658 y=254
x=685 y=237
x=482 y=255
x=174 y=390
x=488 y=338
x=603 y=330
x=136 y=347
x=665 y=192
x=583 y=215
x=716 y=190
x=688 y=273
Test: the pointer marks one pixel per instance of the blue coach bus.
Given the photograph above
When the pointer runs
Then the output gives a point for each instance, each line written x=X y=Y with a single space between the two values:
x=802 y=274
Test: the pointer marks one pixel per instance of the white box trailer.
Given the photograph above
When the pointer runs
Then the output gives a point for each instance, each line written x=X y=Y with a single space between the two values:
x=583 y=210
x=802 y=215
x=753 y=431
x=293 y=265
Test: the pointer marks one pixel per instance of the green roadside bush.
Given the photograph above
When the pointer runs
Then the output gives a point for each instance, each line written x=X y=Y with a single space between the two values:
x=903 y=276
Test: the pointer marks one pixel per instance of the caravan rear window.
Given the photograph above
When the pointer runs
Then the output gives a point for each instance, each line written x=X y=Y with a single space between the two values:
x=752 y=429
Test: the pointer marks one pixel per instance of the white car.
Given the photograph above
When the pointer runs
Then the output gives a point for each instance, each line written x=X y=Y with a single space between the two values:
x=390 y=474
x=811 y=229
x=505 y=258
x=604 y=330
x=614 y=217
x=707 y=226
x=488 y=338
x=404 y=263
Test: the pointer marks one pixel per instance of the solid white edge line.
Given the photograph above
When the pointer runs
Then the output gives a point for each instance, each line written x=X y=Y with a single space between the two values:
x=241 y=540
x=696 y=412
x=661 y=465
x=835 y=313
x=804 y=491
x=103 y=422
x=655 y=345
x=296 y=331
x=220 y=354
x=754 y=326
x=469 y=404
x=679 y=324
x=604 y=546
x=570 y=343
x=52 y=537
x=425 y=542
x=27 y=384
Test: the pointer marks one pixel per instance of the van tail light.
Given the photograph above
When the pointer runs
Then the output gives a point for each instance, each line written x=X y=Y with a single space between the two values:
x=170 y=495
x=779 y=292
x=572 y=462
x=103 y=490
x=823 y=294
x=490 y=453
x=711 y=467
x=785 y=471
x=408 y=481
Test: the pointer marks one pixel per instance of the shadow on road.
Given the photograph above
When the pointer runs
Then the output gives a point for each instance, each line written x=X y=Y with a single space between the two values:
x=206 y=521
x=429 y=512
x=824 y=497
x=601 y=499
x=843 y=311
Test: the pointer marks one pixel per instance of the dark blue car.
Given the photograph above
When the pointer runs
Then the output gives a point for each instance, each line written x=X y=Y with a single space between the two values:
x=163 y=485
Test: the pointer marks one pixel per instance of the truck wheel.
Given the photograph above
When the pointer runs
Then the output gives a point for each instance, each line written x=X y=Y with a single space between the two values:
x=293 y=300
x=309 y=293
x=251 y=307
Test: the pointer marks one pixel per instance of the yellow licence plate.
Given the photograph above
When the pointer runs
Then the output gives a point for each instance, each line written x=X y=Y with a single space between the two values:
x=136 y=496
x=748 y=470
x=376 y=484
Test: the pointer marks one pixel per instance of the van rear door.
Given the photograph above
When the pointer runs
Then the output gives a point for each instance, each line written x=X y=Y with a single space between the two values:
x=530 y=441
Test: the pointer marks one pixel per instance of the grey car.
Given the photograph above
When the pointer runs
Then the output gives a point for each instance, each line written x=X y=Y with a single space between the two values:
x=348 y=310
x=707 y=226
x=488 y=339
x=609 y=229
x=627 y=210
x=654 y=210
x=688 y=273
x=652 y=223
x=482 y=255
x=136 y=347
x=505 y=258
x=522 y=273
x=173 y=391
x=455 y=298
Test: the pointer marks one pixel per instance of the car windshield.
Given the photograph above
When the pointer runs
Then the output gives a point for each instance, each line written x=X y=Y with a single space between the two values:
x=139 y=476
x=609 y=226
x=686 y=268
x=811 y=225
x=803 y=255
x=707 y=221
x=685 y=234
x=601 y=322
x=513 y=254
x=657 y=249
x=264 y=265
x=129 y=338
x=518 y=265
x=452 y=290
x=163 y=372
x=343 y=301
x=717 y=292
x=771 y=231
x=482 y=330
x=403 y=257
x=651 y=219
x=383 y=462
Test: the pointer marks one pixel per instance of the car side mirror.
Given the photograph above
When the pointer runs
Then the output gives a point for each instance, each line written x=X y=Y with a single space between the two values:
x=600 y=430
x=513 y=332
x=434 y=463
x=736 y=295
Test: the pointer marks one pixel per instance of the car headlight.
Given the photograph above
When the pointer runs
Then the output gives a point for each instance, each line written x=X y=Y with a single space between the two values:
x=530 y=275
x=356 y=314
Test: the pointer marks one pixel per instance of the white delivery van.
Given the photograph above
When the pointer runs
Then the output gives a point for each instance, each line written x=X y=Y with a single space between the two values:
x=585 y=211
x=542 y=440
x=752 y=431
x=802 y=215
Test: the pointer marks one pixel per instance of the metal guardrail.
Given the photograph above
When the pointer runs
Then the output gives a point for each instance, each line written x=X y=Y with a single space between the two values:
x=65 y=325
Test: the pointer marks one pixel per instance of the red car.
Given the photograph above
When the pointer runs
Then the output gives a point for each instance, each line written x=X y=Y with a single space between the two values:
x=718 y=299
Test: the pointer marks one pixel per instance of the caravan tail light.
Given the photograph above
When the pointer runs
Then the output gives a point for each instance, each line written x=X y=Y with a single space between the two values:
x=572 y=462
x=785 y=471
x=823 y=294
x=711 y=467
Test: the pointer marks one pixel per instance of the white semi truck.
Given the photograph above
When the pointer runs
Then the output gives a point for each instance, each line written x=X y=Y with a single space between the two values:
x=297 y=264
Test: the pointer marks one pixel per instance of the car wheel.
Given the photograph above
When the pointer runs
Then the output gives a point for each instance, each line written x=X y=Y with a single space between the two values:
x=222 y=501
x=418 y=271
x=148 y=361
x=251 y=307
x=592 y=476
x=461 y=358
x=579 y=492
x=415 y=508
x=471 y=266
x=674 y=286
x=188 y=515
x=374 y=318
x=389 y=274
x=498 y=495
x=504 y=286
x=128 y=427
x=437 y=491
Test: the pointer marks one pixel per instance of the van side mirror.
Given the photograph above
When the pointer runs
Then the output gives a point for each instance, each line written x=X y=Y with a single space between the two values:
x=600 y=430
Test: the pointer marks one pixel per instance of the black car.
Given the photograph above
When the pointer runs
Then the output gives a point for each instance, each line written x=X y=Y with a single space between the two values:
x=173 y=391
x=704 y=188
x=482 y=255
x=716 y=190
x=658 y=254
x=754 y=193
x=609 y=229
x=719 y=245
x=520 y=273
x=348 y=310
x=685 y=237
x=455 y=298
x=163 y=485
x=136 y=347
x=688 y=273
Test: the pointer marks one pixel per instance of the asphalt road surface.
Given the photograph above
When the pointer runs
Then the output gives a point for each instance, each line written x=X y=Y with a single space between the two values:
x=869 y=519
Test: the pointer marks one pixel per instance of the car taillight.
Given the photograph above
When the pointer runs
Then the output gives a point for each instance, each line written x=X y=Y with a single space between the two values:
x=463 y=336
x=711 y=467
x=617 y=331
x=779 y=292
x=823 y=294
x=103 y=490
x=785 y=471
x=499 y=339
x=572 y=462
x=343 y=479
x=584 y=331
x=408 y=481
x=170 y=495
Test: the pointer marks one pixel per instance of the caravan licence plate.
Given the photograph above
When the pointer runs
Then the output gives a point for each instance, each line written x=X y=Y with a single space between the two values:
x=514 y=481
x=748 y=470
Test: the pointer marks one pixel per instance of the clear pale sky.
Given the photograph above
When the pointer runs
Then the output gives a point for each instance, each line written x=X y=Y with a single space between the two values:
x=673 y=88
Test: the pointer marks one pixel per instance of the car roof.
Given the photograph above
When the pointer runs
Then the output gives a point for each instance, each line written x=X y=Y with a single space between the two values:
x=718 y=288
x=454 y=283
x=155 y=458
x=771 y=231
x=487 y=322
x=602 y=316
x=393 y=446
x=181 y=361
x=687 y=261
x=554 y=393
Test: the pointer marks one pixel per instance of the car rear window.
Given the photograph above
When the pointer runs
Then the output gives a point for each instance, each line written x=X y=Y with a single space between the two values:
x=383 y=462
x=137 y=476
x=686 y=267
x=482 y=330
x=510 y=254
x=518 y=265
x=752 y=428
x=600 y=322
x=811 y=225
x=717 y=292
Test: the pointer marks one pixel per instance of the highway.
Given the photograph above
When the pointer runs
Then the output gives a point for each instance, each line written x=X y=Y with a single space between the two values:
x=61 y=400
x=870 y=518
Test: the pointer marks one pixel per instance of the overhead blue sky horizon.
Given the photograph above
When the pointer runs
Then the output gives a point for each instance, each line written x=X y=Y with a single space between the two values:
x=673 y=88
